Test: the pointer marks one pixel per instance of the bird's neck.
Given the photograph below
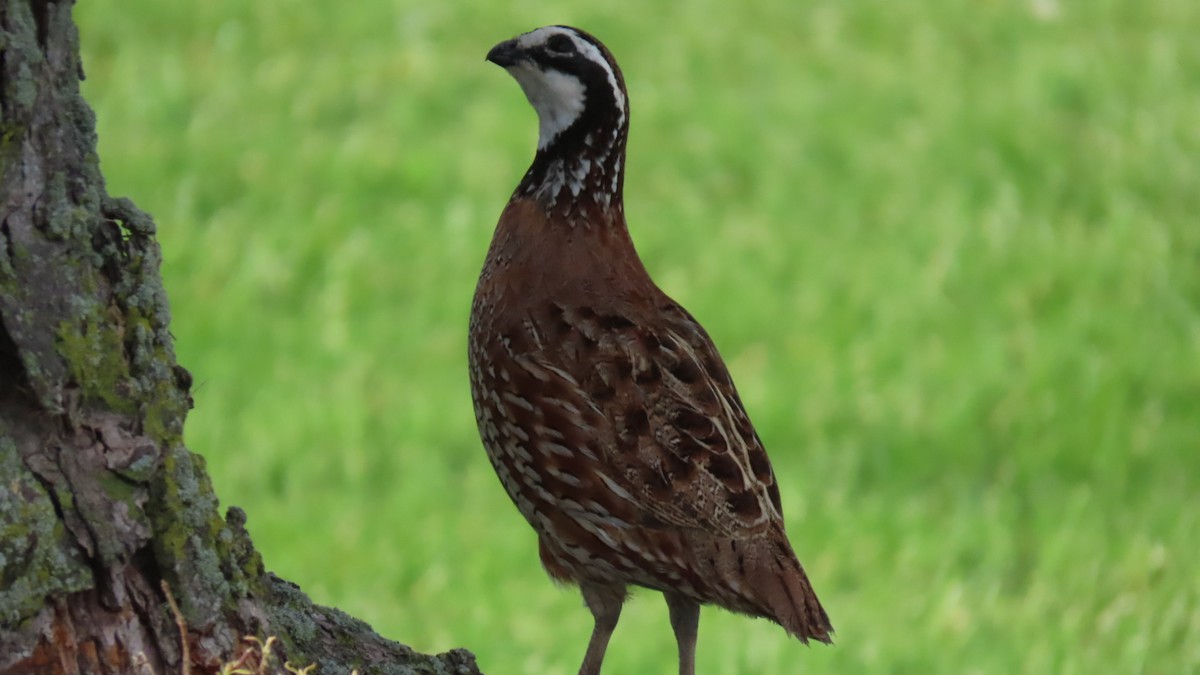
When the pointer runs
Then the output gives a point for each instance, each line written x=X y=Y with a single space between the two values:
x=580 y=171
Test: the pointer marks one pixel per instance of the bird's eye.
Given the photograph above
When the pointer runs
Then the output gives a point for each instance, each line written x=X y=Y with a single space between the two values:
x=560 y=43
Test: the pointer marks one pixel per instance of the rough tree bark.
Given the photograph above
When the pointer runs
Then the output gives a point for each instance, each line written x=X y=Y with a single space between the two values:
x=102 y=509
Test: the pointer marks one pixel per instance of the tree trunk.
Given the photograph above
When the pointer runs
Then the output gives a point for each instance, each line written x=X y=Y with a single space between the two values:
x=113 y=557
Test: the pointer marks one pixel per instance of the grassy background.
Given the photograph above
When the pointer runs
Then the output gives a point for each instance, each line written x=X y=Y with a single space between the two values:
x=950 y=250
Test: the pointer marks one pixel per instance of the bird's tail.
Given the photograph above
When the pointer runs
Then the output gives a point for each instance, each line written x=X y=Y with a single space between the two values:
x=783 y=591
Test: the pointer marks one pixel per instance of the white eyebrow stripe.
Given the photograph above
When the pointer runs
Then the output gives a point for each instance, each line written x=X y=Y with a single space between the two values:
x=593 y=54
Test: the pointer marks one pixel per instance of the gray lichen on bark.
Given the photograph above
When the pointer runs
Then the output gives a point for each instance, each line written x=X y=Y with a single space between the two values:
x=100 y=502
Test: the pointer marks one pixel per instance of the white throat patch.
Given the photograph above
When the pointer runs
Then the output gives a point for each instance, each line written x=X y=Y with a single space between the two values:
x=557 y=97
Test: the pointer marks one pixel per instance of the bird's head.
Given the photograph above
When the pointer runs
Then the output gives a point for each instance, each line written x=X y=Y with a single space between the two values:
x=570 y=79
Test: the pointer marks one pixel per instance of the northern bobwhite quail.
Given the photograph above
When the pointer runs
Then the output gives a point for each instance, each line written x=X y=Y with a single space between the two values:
x=603 y=405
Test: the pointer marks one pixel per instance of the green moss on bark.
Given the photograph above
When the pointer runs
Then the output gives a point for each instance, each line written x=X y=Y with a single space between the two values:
x=99 y=499
x=183 y=511
x=200 y=555
x=36 y=557
x=93 y=351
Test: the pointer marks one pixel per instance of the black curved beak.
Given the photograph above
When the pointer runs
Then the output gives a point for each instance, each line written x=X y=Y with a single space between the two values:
x=505 y=54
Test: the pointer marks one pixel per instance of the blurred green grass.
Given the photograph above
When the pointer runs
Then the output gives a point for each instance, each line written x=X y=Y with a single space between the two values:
x=951 y=252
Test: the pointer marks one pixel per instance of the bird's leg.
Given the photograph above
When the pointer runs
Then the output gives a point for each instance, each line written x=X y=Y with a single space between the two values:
x=685 y=620
x=605 y=603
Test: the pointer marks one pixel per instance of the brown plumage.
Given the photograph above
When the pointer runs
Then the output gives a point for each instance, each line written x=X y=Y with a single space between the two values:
x=603 y=405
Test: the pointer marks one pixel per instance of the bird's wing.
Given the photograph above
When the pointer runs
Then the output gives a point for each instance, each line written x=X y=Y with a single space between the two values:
x=655 y=413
